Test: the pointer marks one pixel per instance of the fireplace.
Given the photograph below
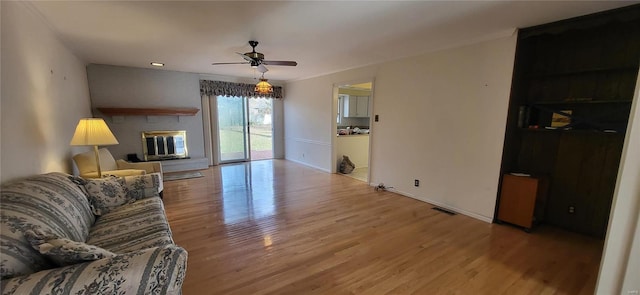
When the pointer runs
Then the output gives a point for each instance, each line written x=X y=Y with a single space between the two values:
x=164 y=145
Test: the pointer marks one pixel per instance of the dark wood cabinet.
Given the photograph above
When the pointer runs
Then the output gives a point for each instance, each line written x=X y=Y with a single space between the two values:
x=572 y=90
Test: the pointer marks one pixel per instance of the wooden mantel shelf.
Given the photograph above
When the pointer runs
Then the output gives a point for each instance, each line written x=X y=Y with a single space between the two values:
x=149 y=111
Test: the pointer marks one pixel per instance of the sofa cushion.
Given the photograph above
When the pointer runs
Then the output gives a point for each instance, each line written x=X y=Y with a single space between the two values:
x=105 y=194
x=49 y=202
x=140 y=187
x=149 y=271
x=132 y=227
x=63 y=251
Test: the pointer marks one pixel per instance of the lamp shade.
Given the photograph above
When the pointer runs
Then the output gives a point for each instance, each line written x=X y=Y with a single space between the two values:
x=93 y=131
x=263 y=87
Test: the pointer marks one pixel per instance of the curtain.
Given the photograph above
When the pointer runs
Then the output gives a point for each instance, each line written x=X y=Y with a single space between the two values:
x=215 y=88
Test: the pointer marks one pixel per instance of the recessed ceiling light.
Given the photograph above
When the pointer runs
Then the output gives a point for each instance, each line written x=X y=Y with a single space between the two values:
x=157 y=64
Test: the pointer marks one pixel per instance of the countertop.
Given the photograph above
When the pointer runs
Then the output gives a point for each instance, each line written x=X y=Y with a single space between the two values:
x=351 y=135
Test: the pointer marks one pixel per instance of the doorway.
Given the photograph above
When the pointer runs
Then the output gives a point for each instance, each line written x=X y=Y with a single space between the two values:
x=353 y=113
x=245 y=128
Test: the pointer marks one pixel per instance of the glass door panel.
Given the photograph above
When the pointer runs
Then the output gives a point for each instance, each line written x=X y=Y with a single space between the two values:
x=261 y=128
x=232 y=129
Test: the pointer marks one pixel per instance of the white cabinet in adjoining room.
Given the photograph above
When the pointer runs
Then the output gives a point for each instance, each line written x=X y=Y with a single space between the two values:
x=356 y=106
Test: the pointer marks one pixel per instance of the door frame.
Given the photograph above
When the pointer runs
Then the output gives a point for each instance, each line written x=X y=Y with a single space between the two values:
x=334 y=124
x=209 y=120
x=272 y=103
x=246 y=133
x=212 y=136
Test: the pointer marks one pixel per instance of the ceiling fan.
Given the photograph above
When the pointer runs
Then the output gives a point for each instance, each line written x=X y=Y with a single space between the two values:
x=256 y=59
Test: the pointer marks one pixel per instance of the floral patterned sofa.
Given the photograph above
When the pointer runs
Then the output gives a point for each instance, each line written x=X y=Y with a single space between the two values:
x=57 y=238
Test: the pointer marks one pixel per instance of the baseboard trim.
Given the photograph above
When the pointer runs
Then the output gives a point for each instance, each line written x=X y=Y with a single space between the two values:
x=308 y=165
x=445 y=206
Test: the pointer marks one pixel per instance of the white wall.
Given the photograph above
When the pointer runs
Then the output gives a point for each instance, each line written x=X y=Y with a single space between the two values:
x=356 y=147
x=442 y=121
x=308 y=117
x=44 y=94
x=620 y=265
x=127 y=87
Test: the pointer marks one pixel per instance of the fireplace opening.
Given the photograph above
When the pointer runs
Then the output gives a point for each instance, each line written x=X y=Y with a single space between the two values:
x=164 y=145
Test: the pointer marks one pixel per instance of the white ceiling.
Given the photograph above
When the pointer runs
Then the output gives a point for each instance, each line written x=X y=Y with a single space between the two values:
x=323 y=37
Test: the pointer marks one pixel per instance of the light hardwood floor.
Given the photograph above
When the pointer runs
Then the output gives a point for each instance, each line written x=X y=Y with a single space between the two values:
x=277 y=227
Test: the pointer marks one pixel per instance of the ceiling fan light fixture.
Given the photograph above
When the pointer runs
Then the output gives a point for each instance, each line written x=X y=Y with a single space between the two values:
x=263 y=87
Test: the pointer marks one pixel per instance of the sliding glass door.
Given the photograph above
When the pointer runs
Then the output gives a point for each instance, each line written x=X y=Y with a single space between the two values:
x=260 y=128
x=245 y=129
x=233 y=137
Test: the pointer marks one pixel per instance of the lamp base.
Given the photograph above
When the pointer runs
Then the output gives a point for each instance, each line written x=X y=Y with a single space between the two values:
x=95 y=150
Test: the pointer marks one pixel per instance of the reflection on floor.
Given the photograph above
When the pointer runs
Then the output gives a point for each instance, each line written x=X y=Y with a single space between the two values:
x=255 y=155
x=359 y=174
x=261 y=155
x=247 y=191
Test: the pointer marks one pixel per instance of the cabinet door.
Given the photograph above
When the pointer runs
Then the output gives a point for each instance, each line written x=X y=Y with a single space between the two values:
x=362 y=106
x=350 y=106
x=356 y=106
x=342 y=106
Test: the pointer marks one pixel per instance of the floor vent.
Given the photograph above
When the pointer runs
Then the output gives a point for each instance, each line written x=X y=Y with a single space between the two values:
x=444 y=210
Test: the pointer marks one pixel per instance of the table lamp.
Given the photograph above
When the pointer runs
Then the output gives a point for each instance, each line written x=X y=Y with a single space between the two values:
x=95 y=132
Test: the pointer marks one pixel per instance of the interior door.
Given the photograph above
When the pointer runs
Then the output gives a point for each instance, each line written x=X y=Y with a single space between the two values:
x=233 y=129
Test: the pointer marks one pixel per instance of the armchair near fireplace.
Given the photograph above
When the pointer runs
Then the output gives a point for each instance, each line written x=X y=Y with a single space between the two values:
x=86 y=163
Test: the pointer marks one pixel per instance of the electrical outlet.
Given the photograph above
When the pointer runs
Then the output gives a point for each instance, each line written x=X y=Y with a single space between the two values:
x=416 y=182
x=375 y=118
x=572 y=209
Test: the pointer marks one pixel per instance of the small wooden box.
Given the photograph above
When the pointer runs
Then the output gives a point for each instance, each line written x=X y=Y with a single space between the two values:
x=522 y=200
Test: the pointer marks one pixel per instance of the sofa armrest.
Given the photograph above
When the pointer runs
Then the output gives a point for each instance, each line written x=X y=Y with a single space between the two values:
x=150 y=167
x=149 y=271
x=144 y=186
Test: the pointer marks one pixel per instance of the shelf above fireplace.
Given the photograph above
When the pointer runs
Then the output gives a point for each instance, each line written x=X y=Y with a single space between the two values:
x=149 y=111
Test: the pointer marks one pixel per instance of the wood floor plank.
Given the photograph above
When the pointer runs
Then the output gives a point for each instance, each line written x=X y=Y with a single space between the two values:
x=277 y=227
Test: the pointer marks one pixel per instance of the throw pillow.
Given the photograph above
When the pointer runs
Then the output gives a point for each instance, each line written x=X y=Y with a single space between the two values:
x=105 y=194
x=63 y=251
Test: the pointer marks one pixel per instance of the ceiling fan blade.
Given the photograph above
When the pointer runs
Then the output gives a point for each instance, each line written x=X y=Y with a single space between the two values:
x=230 y=63
x=262 y=68
x=280 y=63
x=247 y=58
